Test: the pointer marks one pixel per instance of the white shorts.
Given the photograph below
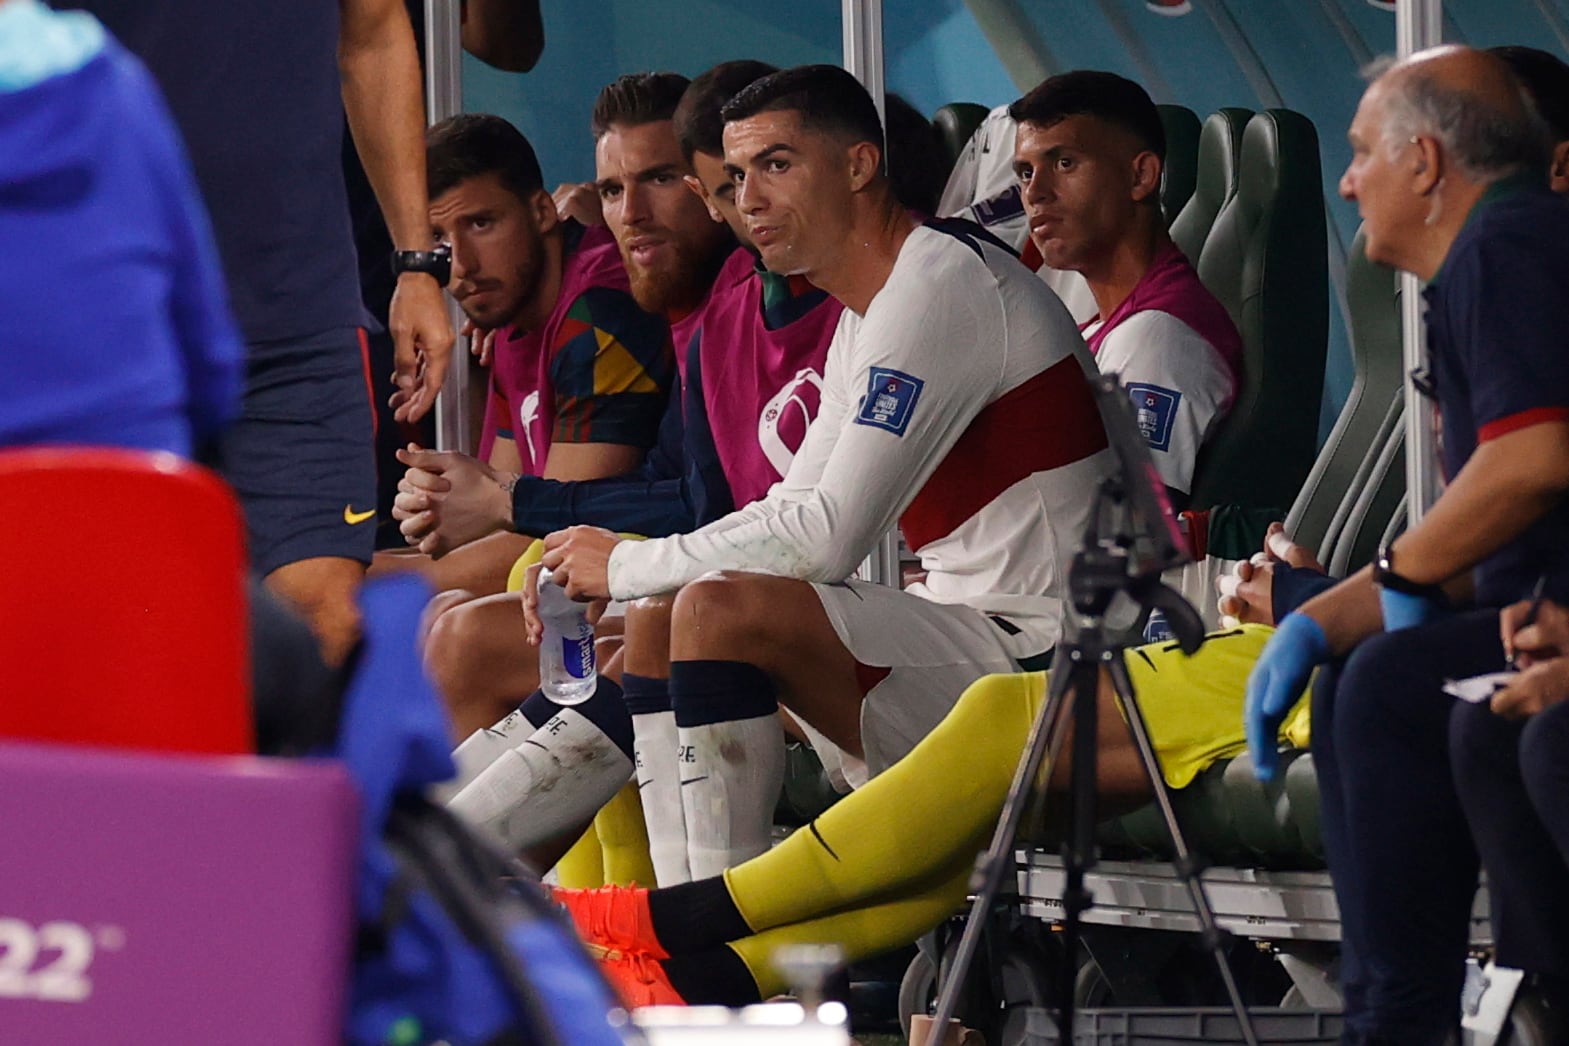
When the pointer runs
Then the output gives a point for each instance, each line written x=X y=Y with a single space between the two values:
x=933 y=651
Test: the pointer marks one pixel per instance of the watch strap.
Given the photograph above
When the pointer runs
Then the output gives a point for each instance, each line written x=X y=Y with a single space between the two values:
x=436 y=263
x=1385 y=576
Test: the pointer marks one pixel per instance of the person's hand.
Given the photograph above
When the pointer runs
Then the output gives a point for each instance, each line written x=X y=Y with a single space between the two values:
x=1247 y=594
x=482 y=343
x=533 y=628
x=579 y=560
x=1541 y=686
x=411 y=505
x=580 y=202
x=1279 y=676
x=422 y=341
x=446 y=499
x=1547 y=637
x=1281 y=549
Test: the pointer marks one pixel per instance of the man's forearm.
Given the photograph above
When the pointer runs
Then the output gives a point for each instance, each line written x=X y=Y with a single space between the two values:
x=1348 y=613
x=382 y=97
x=1508 y=484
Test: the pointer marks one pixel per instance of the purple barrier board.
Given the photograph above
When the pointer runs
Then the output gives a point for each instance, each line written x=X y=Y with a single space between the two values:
x=173 y=899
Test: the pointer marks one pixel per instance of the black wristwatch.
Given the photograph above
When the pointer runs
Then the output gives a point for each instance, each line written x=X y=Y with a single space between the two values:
x=1385 y=577
x=436 y=263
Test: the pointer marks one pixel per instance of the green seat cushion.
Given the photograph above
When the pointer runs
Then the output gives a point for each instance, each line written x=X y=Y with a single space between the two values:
x=1230 y=817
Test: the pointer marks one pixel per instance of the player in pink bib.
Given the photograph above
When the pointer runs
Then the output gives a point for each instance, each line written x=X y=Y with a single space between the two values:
x=1089 y=156
x=580 y=372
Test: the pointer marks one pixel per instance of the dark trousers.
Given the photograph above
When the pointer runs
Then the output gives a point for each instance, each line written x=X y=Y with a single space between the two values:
x=1513 y=779
x=1404 y=866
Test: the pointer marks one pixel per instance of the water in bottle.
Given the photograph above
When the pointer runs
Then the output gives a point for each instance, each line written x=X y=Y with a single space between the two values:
x=567 y=662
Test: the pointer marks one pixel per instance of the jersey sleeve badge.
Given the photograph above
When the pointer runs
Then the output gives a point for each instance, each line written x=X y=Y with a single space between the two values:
x=1006 y=205
x=890 y=400
x=1155 y=409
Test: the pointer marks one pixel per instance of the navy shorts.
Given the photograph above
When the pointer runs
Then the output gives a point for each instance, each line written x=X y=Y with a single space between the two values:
x=301 y=457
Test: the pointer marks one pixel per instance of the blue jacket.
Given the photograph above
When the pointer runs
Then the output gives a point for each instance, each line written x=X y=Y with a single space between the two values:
x=116 y=329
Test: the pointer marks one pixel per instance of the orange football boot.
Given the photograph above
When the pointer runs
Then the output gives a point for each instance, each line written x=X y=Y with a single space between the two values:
x=638 y=979
x=612 y=917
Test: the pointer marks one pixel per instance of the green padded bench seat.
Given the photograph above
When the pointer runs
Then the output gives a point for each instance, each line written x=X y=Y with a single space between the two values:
x=1232 y=818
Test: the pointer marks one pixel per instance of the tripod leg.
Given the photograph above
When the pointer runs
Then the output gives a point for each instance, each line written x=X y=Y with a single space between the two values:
x=1078 y=851
x=1187 y=868
x=1046 y=737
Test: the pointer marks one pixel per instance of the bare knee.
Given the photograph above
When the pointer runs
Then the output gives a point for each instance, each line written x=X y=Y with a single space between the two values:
x=476 y=656
x=648 y=637
x=650 y=614
x=456 y=630
x=439 y=604
x=727 y=616
x=322 y=590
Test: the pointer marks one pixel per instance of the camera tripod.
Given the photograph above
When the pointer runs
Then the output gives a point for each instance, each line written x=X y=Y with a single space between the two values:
x=1101 y=588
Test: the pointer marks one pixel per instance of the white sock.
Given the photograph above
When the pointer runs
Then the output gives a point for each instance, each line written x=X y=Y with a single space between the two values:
x=659 y=787
x=556 y=779
x=731 y=773
x=480 y=749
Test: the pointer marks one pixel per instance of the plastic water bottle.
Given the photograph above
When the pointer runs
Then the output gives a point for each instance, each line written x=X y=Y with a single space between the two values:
x=1157 y=629
x=567 y=662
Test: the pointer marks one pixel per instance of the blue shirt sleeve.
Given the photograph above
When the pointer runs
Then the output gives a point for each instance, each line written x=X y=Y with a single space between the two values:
x=653 y=501
x=1293 y=586
x=710 y=489
x=1508 y=312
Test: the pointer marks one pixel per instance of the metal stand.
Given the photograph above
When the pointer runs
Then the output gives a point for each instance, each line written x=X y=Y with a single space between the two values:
x=1098 y=581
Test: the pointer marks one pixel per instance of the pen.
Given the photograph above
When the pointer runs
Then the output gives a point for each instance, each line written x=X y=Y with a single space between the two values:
x=1530 y=616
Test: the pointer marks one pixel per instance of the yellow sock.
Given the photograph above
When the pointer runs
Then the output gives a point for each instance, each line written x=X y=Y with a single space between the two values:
x=928 y=813
x=861 y=932
x=937 y=807
x=623 y=839
x=582 y=867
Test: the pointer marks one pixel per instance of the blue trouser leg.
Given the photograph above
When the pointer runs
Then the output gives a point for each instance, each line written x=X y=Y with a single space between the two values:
x=1404 y=865
x=1544 y=764
x=1331 y=823
x=1528 y=882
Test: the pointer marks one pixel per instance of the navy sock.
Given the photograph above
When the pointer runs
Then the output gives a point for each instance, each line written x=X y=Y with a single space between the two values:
x=705 y=692
x=696 y=916
x=645 y=695
x=606 y=709
x=716 y=977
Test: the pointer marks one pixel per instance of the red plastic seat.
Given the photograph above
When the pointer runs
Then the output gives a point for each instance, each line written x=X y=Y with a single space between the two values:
x=122 y=603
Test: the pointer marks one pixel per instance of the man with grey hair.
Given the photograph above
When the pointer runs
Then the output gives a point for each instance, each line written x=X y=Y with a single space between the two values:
x=1448 y=169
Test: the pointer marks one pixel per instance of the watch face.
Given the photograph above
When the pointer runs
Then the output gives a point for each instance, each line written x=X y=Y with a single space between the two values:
x=436 y=263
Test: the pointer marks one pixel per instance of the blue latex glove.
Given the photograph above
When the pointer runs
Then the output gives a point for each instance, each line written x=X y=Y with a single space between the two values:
x=1297 y=647
x=1403 y=610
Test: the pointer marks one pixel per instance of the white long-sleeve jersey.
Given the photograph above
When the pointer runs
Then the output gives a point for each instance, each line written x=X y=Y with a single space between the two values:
x=958 y=405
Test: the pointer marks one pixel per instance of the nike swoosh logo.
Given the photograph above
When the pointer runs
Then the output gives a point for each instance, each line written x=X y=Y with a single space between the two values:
x=351 y=517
